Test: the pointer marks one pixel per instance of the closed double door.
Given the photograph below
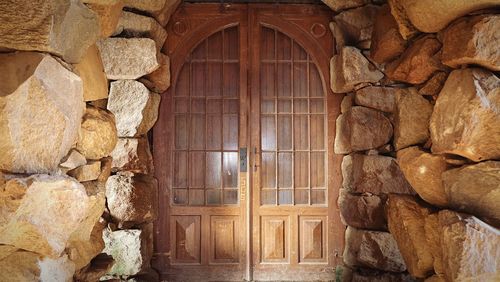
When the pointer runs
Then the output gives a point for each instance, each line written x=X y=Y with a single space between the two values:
x=243 y=146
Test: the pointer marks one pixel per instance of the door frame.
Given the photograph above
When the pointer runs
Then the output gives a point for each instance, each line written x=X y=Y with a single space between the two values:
x=183 y=38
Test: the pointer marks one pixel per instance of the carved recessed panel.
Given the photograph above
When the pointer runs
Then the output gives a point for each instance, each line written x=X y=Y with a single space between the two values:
x=185 y=234
x=274 y=238
x=312 y=238
x=225 y=239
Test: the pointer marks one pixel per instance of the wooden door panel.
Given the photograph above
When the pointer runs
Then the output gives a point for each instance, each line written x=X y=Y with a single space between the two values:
x=312 y=239
x=274 y=239
x=186 y=239
x=225 y=239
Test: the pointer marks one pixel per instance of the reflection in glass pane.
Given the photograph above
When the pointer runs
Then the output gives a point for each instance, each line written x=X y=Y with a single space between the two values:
x=180 y=197
x=214 y=81
x=197 y=132
x=213 y=197
x=230 y=132
x=268 y=133
x=284 y=106
x=317 y=169
x=196 y=197
x=284 y=132
x=198 y=81
x=180 y=169
x=317 y=132
x=285 y=197
x=196 y=169
x=231 y=106
x=302 y=197
x=317 y=105
x=283 y=80
x=300 y=79
x=181 y=131
x=300 y=106
x=315 y=84
x=268 y=197
x=318 y=197
x=301 y=169
x=214 y=106
x=230 y=169
x=285 y=170
x=214 y=132
x=267 y=106
x=230 y=197
x=267 y=80
x=301 y=132
x=231 y=80
x=268 y=175
x=213 y=170
x=181 y=105
x=198 y=105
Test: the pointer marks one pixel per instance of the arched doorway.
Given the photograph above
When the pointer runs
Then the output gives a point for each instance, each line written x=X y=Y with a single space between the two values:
x=244 y=146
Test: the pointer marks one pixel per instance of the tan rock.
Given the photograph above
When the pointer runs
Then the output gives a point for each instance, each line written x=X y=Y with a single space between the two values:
x=109 y=15
x=42 y=106
x=386 y=41
x=406 y=220
x=475 y=189
x=350 y=70
x=465 y=120
x=134 y=107
x=87 y=172
x=347 y=103
x=411 y=121
x=61 y=27
x=361 y=129
x=357 y=24
x=339 y=5
x=81 y=252
x=149 y=6
x=433 y=238
x=435 y=278
x=362 y=211
x=39 y=213
x=470 y=247
x=406 y=28
x=159 y=80
x=97 y=268
x=106 y=166
x=98 y=134
x=423 y=171
x=473 y=40
x=372 y=249
x=131 y=198
x=373 y=174
x=417 y=63
x=73 y=160
x=381 y=276
x=378 y=98
x=132 y=154
x=135 y=25
x=91 y=71
x=128 y=58
x=163 y=16
x=434 y=84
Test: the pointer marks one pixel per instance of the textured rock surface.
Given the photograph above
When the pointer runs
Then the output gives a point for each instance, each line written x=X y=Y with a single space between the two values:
x=73 y=160
x=411 y=119
x=131 y=198
x=466 y=118
x=361 y=129
x=380 y=276
x=97 y=268
x=362 y=211
x=61 y=27
x=417 y=63
x=373 y=174
x=149 y=6
x=475 y=189
x=87 y=172
x=423 y=171
x=433 y=237
x=432 y=86
x=42 y=106
x=164 y=14
x=386 y=41
x=98 y=135
x=378 y=98
x=91 y=71
x=134 y=107
x=40 y=213
x=356 y=24
x=470 y=248
x=81 y=252
x=473 y=40
x=350 y=70
x=109 y=14
x=339 y=5
x=134 y=25
x=406 y=220
x=159 y=80
x=132 y=154
x=128 y=58
x=372 y=249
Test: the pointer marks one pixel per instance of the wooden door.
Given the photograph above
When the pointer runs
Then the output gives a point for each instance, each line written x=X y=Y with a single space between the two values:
x=244 y=146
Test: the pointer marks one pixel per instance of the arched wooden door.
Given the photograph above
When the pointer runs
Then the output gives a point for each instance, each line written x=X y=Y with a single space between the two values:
x=244 y=146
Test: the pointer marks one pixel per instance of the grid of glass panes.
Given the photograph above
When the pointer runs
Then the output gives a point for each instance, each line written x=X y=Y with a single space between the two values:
x=293 y=124
x=206 y=122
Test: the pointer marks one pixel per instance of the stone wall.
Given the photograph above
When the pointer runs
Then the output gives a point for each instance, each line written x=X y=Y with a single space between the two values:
x=80 y=87
x=420 y=131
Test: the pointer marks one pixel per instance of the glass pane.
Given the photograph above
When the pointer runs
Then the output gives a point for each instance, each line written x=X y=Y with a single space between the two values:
x=285 y=170
x=180 y=197
x=231 y=79
x=318 y=197
x=196 y=197
x=231 y=43
x=300 y=105
x=284 y=80
x=214 y=132
x=230 y=169
x=181 y=105
x=300 y=80
x=268 y=176
x=180 y=169
x=231 y=106
x=268 y=197
x=198 y=81
x=200 y=52
x=213 y=197
x=301 y=197
x=285 y=197
x=298 y=52
x=316 y=87
x=197 y=132
x=301 y=132
x=214 y=106
x=215 y=46
x=301 y=169
x=268 y=132
x=317 y=106
x=317 y=169
x=198 y=105
x=284 y=106
x=196 y=169
x=230 y=197
x=182 y=87
x=317 y=132
x=267 y=44
x=285 y=132
x=267 y=80
x=284 y=47
x=181 y=130
x=267 y=106
x=213 y=171
x=214 y=81
x=230 y=132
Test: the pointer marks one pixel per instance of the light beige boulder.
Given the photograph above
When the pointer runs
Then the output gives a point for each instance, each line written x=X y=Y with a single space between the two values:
x=73 y=160
x=98 y=134
x=433 y=238
x=357 y=24
x=361 y=129
x=64 y=28
x=86 y=172
x=362 y=211
x=465 y=120
x=109 y=15
x=339 y=5
x=406 y=28
x=377 y=97
x=350 y=70
x=135 y=25
x=373 y=174
x=42 y=106
x=159 y=80
x=470 y=248
x=386 y=41
x=473 y=40
x=423 y=171
x=475 y=189
x=149 y=6
x=39 y=213
x=411 y=119
x=81 y=252
x=433 y=86
x=372 y=249
x=128 y=58
x=406 y=221
x=91 y=71
x=134 y=107
x=132 y=154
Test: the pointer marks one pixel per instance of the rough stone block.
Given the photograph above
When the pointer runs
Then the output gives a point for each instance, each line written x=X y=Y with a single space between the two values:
x=91 y=71
x=378 y=98
x=386 y=41
x=108 y=14
x=357 y=24
x=159 y=80
x=134 y=25
x=132 y=154
x=339 y=5
x=98 y=134
x=362 y=211
x=86 y=172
